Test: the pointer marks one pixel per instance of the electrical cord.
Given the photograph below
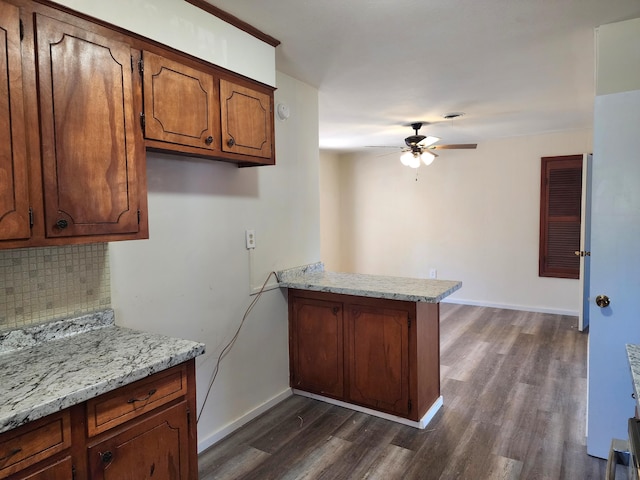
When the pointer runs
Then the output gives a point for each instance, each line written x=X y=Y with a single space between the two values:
x=227 y=347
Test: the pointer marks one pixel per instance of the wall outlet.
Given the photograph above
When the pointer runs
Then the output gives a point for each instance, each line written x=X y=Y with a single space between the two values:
x=433 y=273
x=250 y=238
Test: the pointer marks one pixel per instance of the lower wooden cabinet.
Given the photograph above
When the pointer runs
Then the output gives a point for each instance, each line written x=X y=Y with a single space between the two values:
x=317 y=352
x=144 y=430
x=153 y=448
x=377 y=353
x=60 y=470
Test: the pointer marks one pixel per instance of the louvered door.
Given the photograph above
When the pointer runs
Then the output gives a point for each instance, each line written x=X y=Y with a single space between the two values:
x=560 y=209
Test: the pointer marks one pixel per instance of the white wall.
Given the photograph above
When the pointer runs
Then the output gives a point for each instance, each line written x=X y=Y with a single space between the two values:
x=192 y=278
x=330 y=207
x=472 y=215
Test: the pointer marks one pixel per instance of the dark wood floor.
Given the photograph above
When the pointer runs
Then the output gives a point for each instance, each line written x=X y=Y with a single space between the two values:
x=514 y=388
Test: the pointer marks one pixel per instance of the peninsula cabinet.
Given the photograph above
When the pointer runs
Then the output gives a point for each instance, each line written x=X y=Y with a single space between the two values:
x=14 y=192
x=142 y=430
x=376 y=353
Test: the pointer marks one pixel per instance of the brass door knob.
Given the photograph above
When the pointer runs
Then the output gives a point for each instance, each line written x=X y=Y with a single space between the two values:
x=602 y=301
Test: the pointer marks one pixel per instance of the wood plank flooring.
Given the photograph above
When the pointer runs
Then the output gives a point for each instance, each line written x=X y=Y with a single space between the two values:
x=514 y=388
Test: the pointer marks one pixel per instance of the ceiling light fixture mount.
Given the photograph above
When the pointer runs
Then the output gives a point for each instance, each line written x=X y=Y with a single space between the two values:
x=452 y=115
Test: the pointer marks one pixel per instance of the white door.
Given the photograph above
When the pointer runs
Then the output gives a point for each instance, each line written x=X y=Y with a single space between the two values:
x=615 y=267
x=585 y=243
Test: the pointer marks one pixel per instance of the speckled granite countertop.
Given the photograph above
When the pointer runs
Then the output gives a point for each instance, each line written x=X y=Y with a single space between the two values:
x=314 y=277
x=633 y=354
x=53 y=366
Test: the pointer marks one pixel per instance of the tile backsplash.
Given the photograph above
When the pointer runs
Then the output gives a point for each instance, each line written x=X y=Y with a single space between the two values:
x=42 y=284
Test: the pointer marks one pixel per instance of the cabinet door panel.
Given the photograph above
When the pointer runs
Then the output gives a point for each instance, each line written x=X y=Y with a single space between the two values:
x=14 y=194
x=88 y=138
x=153 y=448
x=317 y=347
x=378 y=358
x=246 y=120
x=180 y=104
x=61 y=470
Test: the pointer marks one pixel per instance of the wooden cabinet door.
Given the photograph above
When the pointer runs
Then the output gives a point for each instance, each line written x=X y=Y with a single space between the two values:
x=316 y=346
x=377 y=353
x=60 y=470
x=180 y=104
x=90 y=149
x=14 y=193
x=246 y=120
x=156 y=448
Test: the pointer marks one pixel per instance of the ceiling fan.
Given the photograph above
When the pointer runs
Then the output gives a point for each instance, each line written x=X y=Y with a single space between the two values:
x=419 y=148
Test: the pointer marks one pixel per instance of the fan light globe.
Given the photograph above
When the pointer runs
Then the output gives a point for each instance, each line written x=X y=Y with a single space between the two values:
x=427 y=158
x=415 y=161
x=406 y=158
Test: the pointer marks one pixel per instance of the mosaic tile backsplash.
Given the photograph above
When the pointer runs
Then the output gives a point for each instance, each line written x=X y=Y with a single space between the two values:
x=42 y=284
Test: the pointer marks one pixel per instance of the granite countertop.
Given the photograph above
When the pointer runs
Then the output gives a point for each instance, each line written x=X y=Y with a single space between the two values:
x=633 y=355
x=314 y=277
x=51 y=367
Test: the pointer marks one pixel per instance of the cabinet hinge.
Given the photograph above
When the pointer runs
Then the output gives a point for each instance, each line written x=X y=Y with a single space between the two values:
x=188 y=417
x=409 y=322
x=30 y=217
x=142 y=121
x=410 y=405
x=21 y=30
x=132 y=63
x=73 y=472
x=141 y=66
x=138 y=217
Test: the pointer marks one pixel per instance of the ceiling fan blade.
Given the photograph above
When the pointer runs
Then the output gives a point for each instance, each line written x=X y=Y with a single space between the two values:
x=428 y=141
x=454 y=146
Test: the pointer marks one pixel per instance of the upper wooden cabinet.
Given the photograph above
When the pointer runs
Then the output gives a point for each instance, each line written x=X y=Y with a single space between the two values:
x=247 y=120
x=180 y=104
x=14 y=192
x=89 y=146
x=73 y=92
x=198 y=110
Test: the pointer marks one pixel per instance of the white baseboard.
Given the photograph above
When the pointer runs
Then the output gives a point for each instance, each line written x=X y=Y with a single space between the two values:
x=218 y=435
x=422 y=423
x=524 y=308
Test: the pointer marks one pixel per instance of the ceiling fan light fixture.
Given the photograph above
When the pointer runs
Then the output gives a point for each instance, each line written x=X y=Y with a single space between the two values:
x=406 y=158
x=427 y=158
x=415 y=160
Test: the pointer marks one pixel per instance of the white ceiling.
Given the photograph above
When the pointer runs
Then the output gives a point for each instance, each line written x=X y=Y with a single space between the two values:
x=515 y=67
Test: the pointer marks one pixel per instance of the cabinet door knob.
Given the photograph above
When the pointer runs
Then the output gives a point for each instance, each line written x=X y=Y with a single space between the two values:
x=209 y=140
x=62 y=224
x=106 y=457
x=231 y=142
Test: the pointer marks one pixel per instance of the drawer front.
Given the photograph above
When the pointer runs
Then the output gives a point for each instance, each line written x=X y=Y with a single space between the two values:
x=34 y=442
x=121 y=405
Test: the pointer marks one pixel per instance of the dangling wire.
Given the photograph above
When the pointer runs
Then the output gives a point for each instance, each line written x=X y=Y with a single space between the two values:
x=227 y=347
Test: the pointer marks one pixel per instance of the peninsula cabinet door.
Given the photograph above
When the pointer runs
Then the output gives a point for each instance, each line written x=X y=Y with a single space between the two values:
x=14 y=194
x=246 y=120
x=180 y=104
x=89 y=145
x=155 y=448
x=316 y=346
x=378 y=358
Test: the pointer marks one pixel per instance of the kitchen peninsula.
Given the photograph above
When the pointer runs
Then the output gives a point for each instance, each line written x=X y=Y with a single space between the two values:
x=366 y=342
